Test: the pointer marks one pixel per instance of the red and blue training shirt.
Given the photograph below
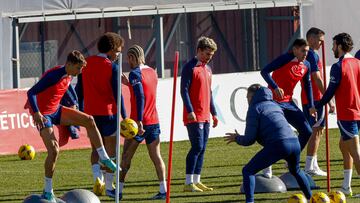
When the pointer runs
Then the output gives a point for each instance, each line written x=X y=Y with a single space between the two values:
x=345 y=85
x=45 y=95
x=144 y=80
x=196 y=91
x=98 y=86
x=287 y=72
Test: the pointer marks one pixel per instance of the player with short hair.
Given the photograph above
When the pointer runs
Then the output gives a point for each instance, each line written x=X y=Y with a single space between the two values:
x=98 y=89
x=143 y=80
x=44 y=99
x=315 y=38
x=266 y=124
x=287 y=70
x=345 y=85
x=198 y=104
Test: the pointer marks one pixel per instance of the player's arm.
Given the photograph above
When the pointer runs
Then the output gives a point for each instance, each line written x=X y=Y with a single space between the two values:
x=80 y=92
x=274 y=65
x=335 y=78
x=70 y=98
x=46 y=81
x=114 y=85
x=213 y=111
x=123 y=109
x=251 y=130
x=135 y=81
x=308 y=87
x=186 y=78
x=313 y=59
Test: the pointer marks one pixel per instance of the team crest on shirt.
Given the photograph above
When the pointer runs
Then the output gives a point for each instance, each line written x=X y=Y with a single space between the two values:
x=297 y=70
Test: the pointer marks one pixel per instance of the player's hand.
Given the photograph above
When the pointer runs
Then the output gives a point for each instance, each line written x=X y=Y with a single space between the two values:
x=312 y=111
x=215 y=121
x=124 y=79
x=331 y=107
x=141 y=130
x=279 y=93
x=231 y=137
x=191 y=116
x=39 y=120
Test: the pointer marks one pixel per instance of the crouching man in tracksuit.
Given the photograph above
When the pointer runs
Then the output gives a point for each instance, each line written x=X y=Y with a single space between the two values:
x=266 y=124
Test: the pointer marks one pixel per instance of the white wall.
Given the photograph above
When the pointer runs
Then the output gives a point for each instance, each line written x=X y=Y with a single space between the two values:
x=334 y=17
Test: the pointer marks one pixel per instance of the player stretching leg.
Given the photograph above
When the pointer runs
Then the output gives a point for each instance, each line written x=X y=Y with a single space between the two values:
x=44 y=98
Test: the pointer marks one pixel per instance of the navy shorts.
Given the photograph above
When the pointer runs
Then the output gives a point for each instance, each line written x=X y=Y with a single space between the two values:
x=348 y=129
x=106 y=124
x=152 y=132
x=320 y=116
x=54 y=118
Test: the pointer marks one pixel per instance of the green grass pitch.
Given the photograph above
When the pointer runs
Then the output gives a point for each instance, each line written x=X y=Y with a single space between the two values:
x=222 y=170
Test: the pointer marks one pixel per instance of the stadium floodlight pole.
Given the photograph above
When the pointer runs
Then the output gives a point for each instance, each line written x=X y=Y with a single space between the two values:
x=326 y=120
x=118 y=105
x=176 y=64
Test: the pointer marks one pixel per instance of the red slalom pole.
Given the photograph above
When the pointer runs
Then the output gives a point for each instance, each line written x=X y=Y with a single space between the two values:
x=176 y=64
x=326 y=121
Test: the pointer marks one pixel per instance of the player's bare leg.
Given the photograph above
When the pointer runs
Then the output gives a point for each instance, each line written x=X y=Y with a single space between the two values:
x=52 y=147
x=155 y=156
x=311 y=166
x=74 y=117
x=348 y=163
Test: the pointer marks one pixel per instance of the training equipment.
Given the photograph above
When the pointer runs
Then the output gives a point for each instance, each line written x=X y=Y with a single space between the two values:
x=80 y=196
x=128 y=128
x=337 y=197
x=38 y=199
x=297 y=198
x=291 y=183
x=26 y=152
x=319 y=197
x=267 y=185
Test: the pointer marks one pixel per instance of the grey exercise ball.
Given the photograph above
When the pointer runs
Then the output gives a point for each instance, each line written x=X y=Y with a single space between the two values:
x=37 y=199
x=80 y=196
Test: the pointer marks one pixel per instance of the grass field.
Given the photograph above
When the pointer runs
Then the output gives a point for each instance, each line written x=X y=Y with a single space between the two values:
x=222 y=170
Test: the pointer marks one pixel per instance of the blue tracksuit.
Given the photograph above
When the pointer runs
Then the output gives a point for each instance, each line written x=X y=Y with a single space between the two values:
x=266 y=124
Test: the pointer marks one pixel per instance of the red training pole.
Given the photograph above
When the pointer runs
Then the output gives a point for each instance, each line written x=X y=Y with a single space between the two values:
x=326 y=121
x=172 y=127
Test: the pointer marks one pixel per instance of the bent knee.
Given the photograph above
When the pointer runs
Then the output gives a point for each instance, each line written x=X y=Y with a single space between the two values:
x=54 y=151
x=90 y=122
